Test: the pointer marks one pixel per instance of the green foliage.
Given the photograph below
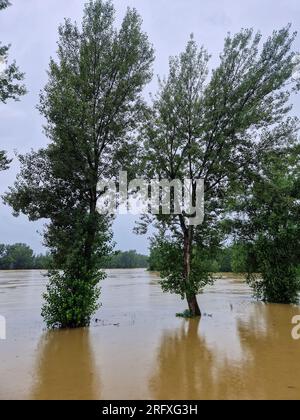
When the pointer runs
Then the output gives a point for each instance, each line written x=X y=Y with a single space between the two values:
x=71 y=299
x=10 y=77
x=169 y=264
x=4 y=161
x=127 y=259
x=43 y=262
x=185 y=314
x=10 y=87
x=239 y=259
x=269 y=213
x=279 y=280
x=154 y=258
x=224 y=261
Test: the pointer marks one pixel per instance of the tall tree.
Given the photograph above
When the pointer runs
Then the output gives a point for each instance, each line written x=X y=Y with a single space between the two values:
x=267 y=223
x=16 y=257
x=215 y=130
x=92 y=104
x=10 y=87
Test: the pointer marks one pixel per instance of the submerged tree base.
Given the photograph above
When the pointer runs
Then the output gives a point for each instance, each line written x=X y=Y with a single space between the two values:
x=187 y=314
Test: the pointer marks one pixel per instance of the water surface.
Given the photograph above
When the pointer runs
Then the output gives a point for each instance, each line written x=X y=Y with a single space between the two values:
x=140 y=350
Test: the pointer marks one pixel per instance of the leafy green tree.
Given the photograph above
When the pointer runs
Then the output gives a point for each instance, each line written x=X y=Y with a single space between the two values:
x=10 y=87
x=239 y=258
x=92 y=105
x=154 y=258
x=224 y=260
x=43 y=262
x=21 y=255
x=16 y=257
x=269 y=214
x=215 y=130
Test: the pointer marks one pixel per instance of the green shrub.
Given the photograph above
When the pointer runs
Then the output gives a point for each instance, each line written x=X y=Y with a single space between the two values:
x=185 y=314
x=71 y=300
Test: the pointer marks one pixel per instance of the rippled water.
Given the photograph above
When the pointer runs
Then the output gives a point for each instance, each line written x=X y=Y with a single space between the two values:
x=140 y=350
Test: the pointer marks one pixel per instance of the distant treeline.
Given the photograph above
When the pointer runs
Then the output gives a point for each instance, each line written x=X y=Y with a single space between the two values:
x=231 y=259
x=127 y=259
x=21 y=257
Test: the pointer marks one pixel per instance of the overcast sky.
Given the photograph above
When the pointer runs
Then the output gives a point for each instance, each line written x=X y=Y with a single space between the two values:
x=31 y=27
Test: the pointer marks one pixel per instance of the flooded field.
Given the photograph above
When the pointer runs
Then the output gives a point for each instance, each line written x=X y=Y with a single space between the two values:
x=138 y=349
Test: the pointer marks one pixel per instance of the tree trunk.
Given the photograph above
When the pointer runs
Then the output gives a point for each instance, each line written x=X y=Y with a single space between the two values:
x=91 y=230
x=193 y=305
x=191 y=297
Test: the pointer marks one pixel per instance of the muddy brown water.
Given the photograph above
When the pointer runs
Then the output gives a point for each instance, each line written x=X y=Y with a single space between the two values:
x=240 y=349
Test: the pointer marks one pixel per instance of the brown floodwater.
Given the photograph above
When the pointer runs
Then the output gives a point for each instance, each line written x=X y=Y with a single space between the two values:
x=240 y=349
